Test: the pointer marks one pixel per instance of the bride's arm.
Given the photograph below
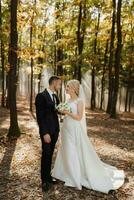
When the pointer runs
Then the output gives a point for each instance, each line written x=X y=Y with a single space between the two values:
x=79 y=115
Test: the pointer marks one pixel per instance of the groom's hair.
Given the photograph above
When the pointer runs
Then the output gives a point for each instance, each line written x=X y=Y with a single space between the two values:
x=53 y=78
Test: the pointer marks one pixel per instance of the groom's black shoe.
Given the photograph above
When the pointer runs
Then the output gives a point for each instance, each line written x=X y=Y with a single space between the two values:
x=54 y=181
x=46 y=186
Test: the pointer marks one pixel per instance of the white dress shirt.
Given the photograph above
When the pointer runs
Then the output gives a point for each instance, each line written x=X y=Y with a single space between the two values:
x=51 y=94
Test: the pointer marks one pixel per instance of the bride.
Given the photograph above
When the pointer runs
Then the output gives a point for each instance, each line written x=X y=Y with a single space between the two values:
x=77 y=164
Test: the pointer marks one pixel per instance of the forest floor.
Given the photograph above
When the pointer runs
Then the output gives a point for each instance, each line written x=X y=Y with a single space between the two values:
x=20 y=158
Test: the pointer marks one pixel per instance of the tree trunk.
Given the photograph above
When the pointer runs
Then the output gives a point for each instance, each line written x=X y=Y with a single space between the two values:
x=40 y=62
x=93 y=92
x=79 y=42
x=31 y=82
x=103 y=75
x=128 y=87
x=2 y=61
x=93 y=103
x=59 y=48
x=7 y=93
x=55 y=50
x=59 y=60
x=81 y=29
x=126 y=100
x=14 y=128
x=75 y=64
x=130 y=100
x=117 y=60
x=110 y=65
x=130 y=84
x=3 y=74
x=31 y=45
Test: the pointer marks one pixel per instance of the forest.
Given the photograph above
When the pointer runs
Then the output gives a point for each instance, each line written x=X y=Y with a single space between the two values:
x=88 y=40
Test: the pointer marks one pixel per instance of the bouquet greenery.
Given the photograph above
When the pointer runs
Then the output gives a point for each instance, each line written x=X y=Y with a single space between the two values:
x=64 y=106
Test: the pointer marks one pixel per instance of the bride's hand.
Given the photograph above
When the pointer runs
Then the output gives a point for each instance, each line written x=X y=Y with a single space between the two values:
x=65 y=112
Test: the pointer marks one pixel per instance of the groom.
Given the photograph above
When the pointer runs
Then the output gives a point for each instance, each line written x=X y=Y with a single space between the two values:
x=47 y=119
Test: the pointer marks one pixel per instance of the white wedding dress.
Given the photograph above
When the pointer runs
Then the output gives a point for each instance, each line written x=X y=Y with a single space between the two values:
x=77 y=163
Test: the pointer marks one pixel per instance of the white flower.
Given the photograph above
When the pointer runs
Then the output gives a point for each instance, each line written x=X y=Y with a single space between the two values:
x=64 y=106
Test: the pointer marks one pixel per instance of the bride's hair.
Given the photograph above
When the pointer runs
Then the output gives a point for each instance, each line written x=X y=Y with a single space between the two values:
x=75 y=85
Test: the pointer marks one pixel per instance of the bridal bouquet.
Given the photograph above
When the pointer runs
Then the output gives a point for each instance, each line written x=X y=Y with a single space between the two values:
x=64 y=106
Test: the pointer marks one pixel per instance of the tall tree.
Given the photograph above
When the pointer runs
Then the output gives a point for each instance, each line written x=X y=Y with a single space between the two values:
x=110 y=65
x=128 y=86
x=58 y=36
x=103 y=75
x=32 y=63
x=2 y=60
x=129 y=54
x=93 y=102
x=12 y=86
x=117 y=60
x=31 y=82
x=81 y=30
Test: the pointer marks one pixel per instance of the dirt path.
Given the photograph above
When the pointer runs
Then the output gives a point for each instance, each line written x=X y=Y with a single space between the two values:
x=20 y=159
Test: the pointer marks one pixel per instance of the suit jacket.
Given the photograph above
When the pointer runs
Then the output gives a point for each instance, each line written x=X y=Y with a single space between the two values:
x=47 y=116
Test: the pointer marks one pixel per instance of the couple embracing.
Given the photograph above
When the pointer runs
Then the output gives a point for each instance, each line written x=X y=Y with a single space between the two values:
x=77 y=163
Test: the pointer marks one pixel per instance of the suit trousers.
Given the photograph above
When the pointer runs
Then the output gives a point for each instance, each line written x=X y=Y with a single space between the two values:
x=46 y=158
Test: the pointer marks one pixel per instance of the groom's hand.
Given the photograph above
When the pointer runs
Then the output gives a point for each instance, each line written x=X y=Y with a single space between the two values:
x=47 y=138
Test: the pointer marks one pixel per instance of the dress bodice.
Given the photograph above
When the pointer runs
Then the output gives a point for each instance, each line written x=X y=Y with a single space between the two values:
x=73 y=105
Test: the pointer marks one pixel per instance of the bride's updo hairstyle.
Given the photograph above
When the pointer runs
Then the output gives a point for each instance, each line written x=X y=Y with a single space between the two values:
x=75 y=85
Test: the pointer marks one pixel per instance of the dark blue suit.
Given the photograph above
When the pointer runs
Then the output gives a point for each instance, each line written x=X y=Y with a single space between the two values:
x=48 y=122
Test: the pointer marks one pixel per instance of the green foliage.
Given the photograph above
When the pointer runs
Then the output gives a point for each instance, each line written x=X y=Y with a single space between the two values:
x=46 y=17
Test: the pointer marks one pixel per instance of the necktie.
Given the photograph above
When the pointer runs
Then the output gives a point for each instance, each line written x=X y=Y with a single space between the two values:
x=53 y=95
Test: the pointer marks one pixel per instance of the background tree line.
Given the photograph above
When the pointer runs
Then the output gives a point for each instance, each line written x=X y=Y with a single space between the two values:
x=72 y=37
